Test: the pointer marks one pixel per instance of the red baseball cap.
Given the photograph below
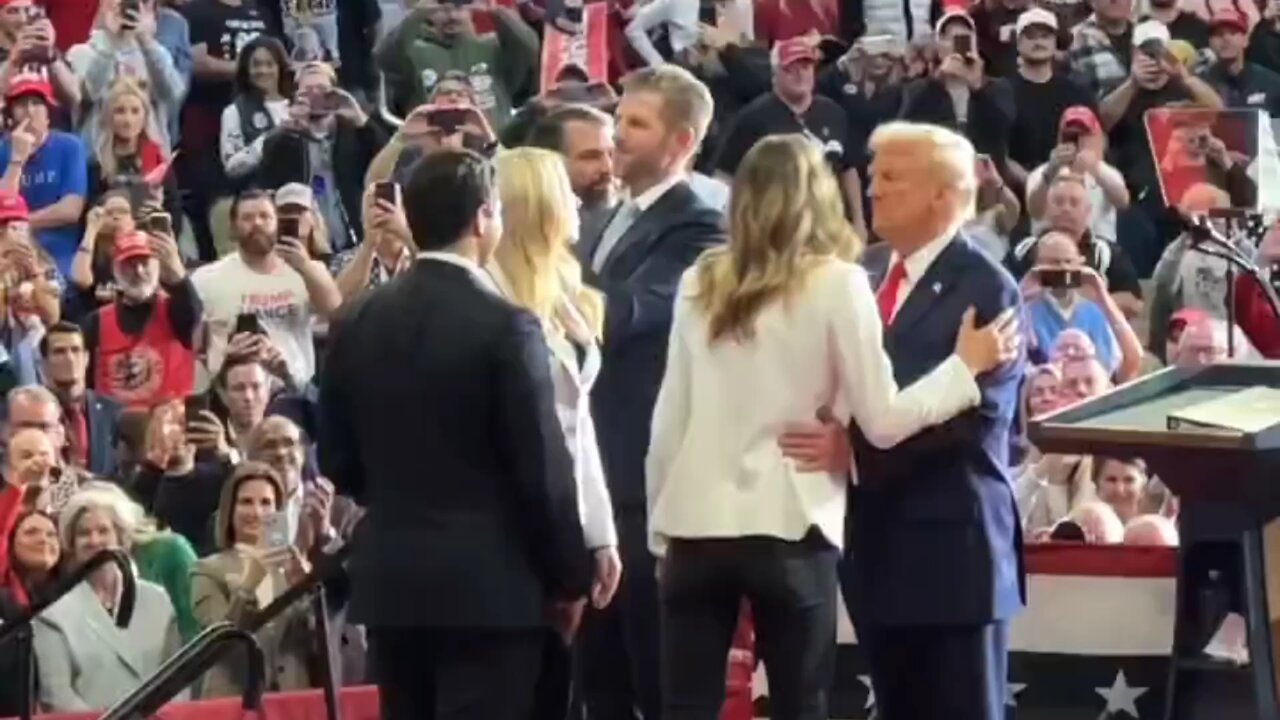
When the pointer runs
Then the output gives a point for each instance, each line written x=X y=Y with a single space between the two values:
x=1080 y=116
x=12 y=205
x=31 y=85
x=131 y=245
x=794 y=50
x=1229 y=19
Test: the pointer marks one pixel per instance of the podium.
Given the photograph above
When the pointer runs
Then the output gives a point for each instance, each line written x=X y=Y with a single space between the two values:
x=1228 y=482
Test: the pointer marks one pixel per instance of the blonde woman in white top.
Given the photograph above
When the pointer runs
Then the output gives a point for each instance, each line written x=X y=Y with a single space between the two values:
x=770 y=330
x=535 y=267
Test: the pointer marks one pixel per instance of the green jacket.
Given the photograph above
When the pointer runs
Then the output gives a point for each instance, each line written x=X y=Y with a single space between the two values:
x=167 y=560
x=503 y=68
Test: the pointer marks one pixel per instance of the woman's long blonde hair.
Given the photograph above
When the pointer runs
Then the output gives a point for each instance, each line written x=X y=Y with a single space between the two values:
x=536 y=257
x=786 y=217
x=104 y=149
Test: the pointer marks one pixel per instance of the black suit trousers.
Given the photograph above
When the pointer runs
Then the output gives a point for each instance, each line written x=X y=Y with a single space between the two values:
x=456 y=674
x=618 y=646
x=925 y=672
x=791 y=587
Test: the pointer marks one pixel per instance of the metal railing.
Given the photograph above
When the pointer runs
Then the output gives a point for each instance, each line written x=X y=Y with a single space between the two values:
x=20 y=630
x=207 y=648
x=189 y=663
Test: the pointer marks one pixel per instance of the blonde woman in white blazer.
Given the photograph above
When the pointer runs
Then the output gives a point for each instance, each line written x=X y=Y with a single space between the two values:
x=534 y=266
x=771 y=330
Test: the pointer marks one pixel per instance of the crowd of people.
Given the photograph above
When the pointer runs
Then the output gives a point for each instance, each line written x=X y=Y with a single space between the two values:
x=200 y=199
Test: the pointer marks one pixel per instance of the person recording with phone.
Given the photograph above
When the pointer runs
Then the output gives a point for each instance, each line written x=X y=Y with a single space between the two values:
x=385 y=251
x=1061 y=292
x=325 y=135
x=1081 y=149
x=141 y=344
x=178 y=481
x=124 y=45
x=449 y=120
x=92 y=277
x=1156 y=78
x=271 y=279
x=256 y=562
x=958 y=95
x=438 y=36
x=29 y=40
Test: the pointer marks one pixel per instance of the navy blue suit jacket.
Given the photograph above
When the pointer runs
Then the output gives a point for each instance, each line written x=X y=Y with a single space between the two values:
x=934 y=533
x=639 y=281
x=102 y=416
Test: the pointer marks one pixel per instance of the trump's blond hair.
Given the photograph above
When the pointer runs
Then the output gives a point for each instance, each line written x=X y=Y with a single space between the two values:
x=952 y=161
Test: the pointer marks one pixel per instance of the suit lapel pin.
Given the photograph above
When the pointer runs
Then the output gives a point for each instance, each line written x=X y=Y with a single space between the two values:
x=937 y=288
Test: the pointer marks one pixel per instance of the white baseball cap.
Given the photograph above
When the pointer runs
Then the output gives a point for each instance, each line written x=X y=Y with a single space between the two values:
x=1150 y=30
x=1036 y=16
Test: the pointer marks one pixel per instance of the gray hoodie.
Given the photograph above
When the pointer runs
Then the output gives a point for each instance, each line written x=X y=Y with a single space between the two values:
x=101 y=60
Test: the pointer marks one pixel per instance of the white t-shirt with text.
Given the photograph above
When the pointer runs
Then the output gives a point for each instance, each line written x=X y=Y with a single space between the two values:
x=228 y=288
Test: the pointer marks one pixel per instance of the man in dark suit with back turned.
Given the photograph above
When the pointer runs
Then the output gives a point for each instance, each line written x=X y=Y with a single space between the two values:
x=438 y=416
x=656 y=232
x=933 y=532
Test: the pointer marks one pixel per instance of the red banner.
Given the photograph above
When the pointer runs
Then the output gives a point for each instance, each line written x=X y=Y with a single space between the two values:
x=359 y=703
x=589 y=49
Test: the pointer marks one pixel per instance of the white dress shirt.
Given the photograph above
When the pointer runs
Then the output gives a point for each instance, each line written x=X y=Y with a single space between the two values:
x=916 y=265
x=483 y=278
x=714 y=468
x=681 y=19
x=572 y=382
x=629 y=210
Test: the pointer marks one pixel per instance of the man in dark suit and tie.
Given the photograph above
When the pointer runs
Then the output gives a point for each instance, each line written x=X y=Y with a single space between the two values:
x=438 y=416
x=656 y=232
x=90 y=419
x=935 y=543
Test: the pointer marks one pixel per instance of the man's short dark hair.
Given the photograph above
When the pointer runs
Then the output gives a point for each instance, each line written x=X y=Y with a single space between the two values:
x=233 y=361
x=446 y=189
x=62 y=327
x=250 y=195
x=548 y=132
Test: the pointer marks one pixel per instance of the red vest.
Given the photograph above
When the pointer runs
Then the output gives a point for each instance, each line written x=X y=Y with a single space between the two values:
x=143 y=370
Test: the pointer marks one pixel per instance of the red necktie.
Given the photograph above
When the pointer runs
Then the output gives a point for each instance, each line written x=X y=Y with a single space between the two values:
x=887 y=297
x=77 y=435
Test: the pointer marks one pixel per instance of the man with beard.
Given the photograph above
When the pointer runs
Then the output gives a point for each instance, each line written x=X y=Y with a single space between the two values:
x=141 y=345
x=1040 y=93
x=657 y=231
x=584 y=138
x=89 y=418
x=271 y=279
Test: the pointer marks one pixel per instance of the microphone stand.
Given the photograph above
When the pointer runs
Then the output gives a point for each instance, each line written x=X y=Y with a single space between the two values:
x=1206 y=240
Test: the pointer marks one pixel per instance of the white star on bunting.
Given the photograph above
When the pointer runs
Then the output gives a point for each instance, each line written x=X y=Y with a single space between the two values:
x=1120 y=696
